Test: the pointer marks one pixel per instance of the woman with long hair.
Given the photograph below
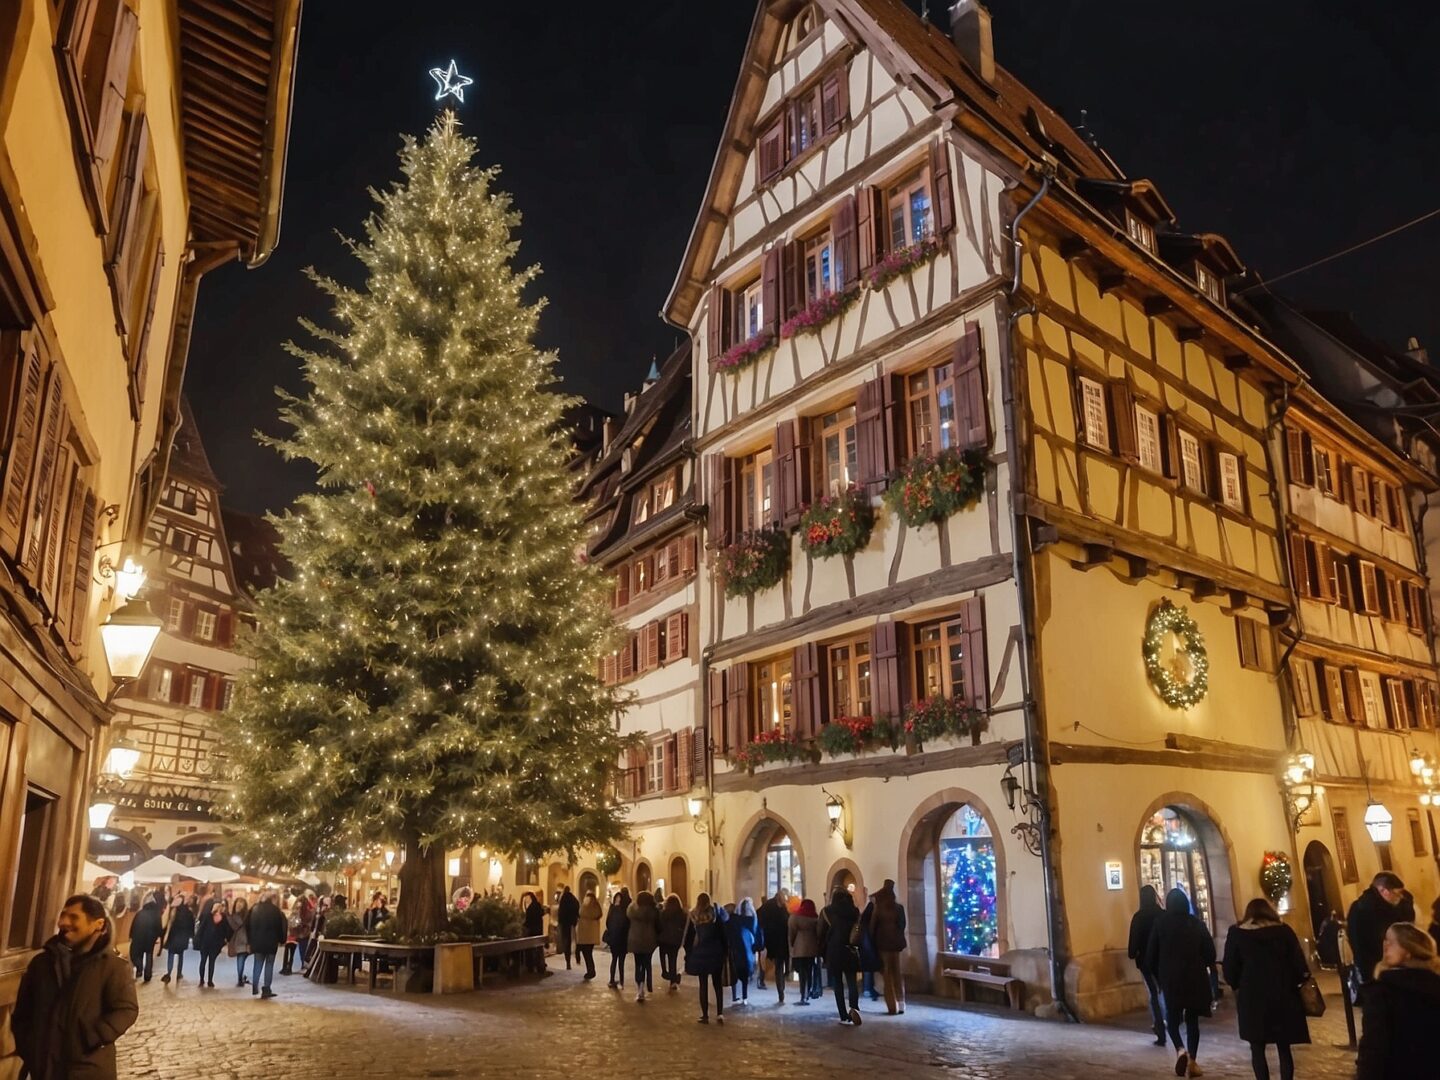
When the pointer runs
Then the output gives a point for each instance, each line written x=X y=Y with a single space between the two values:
x=1265 y=965
x=838 y=923
x=587 y=932
x=179 y=929
x=804 y=934
x=617 y=935
x=1402 y=1008
x=644 y=936
x=705 y=954
x=672 y=936
x=239 y=946
x=1181 y=953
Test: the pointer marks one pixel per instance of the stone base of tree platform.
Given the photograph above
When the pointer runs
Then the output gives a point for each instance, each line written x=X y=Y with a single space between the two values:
x=449 y=968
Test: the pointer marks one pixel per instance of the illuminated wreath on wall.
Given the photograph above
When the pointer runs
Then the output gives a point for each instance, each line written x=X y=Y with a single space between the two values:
x=1183 y=679
x=1276 y=876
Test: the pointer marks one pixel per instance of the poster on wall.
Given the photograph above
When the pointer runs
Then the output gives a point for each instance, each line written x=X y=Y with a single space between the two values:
x=1114 y=876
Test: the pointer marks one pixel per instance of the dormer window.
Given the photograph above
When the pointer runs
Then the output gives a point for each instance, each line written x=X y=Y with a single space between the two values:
x=1210 y=284
x=1140 y=231
x=798 y=29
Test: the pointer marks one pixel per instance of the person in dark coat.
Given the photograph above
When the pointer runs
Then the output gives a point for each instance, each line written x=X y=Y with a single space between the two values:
x=1181 y=953
x=672 y=935
x=774 y=919
x=179 y=929
x=266 y=928
x=1141 y=924
x=705 y=954
x=1265 y=965
x=375 y=914
x=886 y=924
x=1383 y=903
x=644 y=937
x=76 y=998
x=617 y=935
x=742 y=937
x=1435 y=922
x=239 y=946
x=211 y=937
x=869 y=956
x=145 y=933
x=837 y=923
x=567 y=915
x=533 y=912
x=1327 y=940
x=1402 y=1008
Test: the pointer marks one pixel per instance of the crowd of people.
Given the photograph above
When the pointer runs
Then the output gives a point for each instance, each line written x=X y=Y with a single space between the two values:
x=738 y=943
x=1396 y=980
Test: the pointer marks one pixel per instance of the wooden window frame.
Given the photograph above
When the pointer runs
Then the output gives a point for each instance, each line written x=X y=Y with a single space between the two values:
x=851 y=665
x=1198 y=483
x=1256 y=645
x=899 y=193
x=812 y=250
x=753 y=290
x=939 y=381
x=662 y=490
x=195 y=680
x=1303 y=681
x=1417 y=832
x=677 y=636
x=1209 y=283
x=1100 y=439
x=1374 y=712
x=752 y=487
x=839 y=425
x=1335 y=707
x=1344 y=846
x=1325 y=470
x=807 y=103
x=768 y=697
x=1140 y=231
x=205 y=618
x=1145 y=415
x=1238 y=503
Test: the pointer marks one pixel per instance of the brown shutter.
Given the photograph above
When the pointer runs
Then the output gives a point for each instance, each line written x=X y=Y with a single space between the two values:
x=804 y=468
x=1122 y=420
x=122 y=242
x=698 y=749
x=1360 y=483
x=715 y=323
x=42 y=488
x=809 y=689
x=887 y=669
x=976 y=666
x=847 y=252
x=1297 y=457
x=968 y=373
x=715 y=712
x=677 y=643
x=829 y=101
x=1170 y=463
x=870 y=435
x=214 y=688
x=652 y=645
x=770 y=288
x=179 y=680
x=52 y=555
x=687 y=555
x=941 y=188
x=84 y=556
x=792 y=278
x=1354 y=699
x=784 y=463
x=139 y=362
x=684 y=758
x=22 y=386
x=1299 y=566
x=622 y=586
x=893 y=398
x=737 y=705
x=627 y=657
x=1324 y=563
x=721 y=496
x=671 y=775
x=771 y=150
x=868 y=216
x=64 y=605
x=107 y=104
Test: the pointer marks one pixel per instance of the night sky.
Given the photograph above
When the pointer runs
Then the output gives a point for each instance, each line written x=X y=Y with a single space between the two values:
x=1293 y=127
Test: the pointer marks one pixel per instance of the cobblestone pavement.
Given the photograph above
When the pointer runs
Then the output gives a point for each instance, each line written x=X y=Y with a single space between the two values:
x=544 y=1027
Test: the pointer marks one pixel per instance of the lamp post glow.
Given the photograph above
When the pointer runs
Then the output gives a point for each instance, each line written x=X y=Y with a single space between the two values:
x=122 y=758
x=128 y=635
x=1378 y=822
x=129 y=579
x=695 y=807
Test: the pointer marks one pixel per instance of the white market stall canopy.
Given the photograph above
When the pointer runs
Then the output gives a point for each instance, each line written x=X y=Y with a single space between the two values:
x=92 y=873
x=216 y=875
x=161 y=869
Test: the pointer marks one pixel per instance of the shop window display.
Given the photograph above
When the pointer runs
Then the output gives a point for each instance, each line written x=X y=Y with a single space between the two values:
x=968 y=886
x=1172 y=856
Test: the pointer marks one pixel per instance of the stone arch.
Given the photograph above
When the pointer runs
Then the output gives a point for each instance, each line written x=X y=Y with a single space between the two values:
x=748 y=877
x=846 y=867
x=119 y=840
x=678 y=880
x=918 y=882
x=589 y=879
x=193 y=840
x=643 y=878
x=1322 y=886
x=1219 y=853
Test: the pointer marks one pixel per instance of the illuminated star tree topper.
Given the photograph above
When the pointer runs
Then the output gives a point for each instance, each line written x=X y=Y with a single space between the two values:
x=450 y=81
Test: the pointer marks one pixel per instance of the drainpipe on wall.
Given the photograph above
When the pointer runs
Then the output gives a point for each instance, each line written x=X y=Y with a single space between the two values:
x=1037 y=756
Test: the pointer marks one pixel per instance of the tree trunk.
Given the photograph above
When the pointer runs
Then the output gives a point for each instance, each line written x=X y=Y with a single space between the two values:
x=421 y=910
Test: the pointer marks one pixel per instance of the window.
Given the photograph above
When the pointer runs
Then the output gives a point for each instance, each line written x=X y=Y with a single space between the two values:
x=1402 y=712
x=180 y=497
x=1140 y=231
x=1369 y=588
x=909 y=219
x=1349 y=874
x=939 y=659
x=1147 y=438
x=1232 y=482
x=205 y=625
x=162 y=683
x=1414 y=607
x=1192 y=465
x=1369 y=699
x=850 y=678
x=1334 y=694
x=182 y=540
x=1173 y=856
x=227 y=695
x=757 y=490
x=196 y=699
x=175 y=615
x=752 y=309
x=822 y=274
x=1257 y=645
x=655 y=767
x=527 y=869
x=97 y=46
x=642 y=507
x=930 y=410
x=797 y=30
x=1360 y=485
x=971 y=910
x=641 y=575
x=805 y=130
x=774 y=701
x=838 y=460
x=677 y=636
x=662 y=494
x=1096 y=425
x=1338 y=578
x=1324 y=470
x=1209 y=284
x=30 y=917
x=782 y=867
x=1417 y=834
x=1302 y=678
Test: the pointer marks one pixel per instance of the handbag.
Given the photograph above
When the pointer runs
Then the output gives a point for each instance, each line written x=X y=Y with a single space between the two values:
x=1311 y=998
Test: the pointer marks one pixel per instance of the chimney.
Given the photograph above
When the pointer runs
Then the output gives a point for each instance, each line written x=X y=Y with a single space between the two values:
x=1415 y=352
x=970 y=28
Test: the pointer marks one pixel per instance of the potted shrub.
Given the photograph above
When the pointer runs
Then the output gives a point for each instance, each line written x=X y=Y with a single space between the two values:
x=837 y=524
x=756 y=561
x=932 y=487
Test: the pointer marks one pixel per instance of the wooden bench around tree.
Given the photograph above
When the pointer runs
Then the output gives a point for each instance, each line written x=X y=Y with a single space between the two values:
x=332 y=953
x=981 y=971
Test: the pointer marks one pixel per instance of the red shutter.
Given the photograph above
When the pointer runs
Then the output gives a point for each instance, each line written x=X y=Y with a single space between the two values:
x=847 y=252
x=971 y=413
x=23 y=385
x=787 y=502
x=652 y=645
x=225 y=628
x=1299 y=567
x=770 y=289
x=887 y=669
x=737 y=705
x=715 y=712
x=792 y=278
x=869 y=213
x=977 y=669
x=123 y=242
x=107 y=106
x=809 y=689
x=1122 y=420
x=721 y=496
x=677 y=636
x=870 y=435
x=84 y=556
x=1295 y=455
x=671 y=771
x=1324 y=561
x=41 y=490
x=942 y=189
x=835 y=99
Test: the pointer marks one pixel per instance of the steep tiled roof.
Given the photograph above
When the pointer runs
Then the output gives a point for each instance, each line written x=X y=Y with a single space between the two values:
x=188 y=461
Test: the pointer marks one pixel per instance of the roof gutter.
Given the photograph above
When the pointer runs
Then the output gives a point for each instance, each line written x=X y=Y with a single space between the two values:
x=277 y=132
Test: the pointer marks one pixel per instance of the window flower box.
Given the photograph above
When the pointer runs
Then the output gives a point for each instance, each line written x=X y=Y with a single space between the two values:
x=929 y=719
x=818 y=313
x=771 y=746
x=903 y=261
x=746 y=352
x=931 y=488
x=754 y=562
x=837 y=524
x=856 y=734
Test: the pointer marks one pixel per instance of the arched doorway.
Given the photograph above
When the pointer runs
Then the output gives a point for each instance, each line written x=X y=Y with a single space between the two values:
x=195 y=848
x=846 y=875
x=770 y=859
x=557 y=876
x=589 y=883
x=680 y=879
x=642 y=876
x=1173 y=856
x=116 y=850
x=1320 y=884
x=953 y=883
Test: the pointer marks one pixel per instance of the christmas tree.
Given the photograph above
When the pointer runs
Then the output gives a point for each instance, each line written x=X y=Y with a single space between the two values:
x=971 y=925
x=428 y=676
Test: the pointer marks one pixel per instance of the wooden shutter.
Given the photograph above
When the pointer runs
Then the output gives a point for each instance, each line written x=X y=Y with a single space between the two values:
x=84 y=556
x=52 y=550
x=1324 y=565
x=1121 y=407
x=1170 y=463
x=809 y=689
x=720 y=505
x=677 y=643
x=870 y=435
x=123 y=241
x=869 y=214
x=1354 y=698
x=835 y=99
x=942 y=190
x=788 y=499
x=23 y=381
x=622 y=586
x=1302 y=466
x=737 y=705
x=1360 y=484
x=974 y=662
x=670 y=764
x=42 y=488
x=627 y=657
x=684 y=759
x=770 y=288
x=139 y=362
x=225 y=627
x=771 y=149
x=1299 y=568
x=64 y=603
x=698 y=747
x=106 y=96
x=804 y=468
x=687 y=554
x=179 y=683
x=792 y=278
x=652 y=645
x=847 y=252
x=968 y=372
x=715 y=711
x=715 y=321
x=887 y=669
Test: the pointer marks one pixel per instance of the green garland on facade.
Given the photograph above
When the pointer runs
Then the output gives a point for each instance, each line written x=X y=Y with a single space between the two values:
x=1177 y=692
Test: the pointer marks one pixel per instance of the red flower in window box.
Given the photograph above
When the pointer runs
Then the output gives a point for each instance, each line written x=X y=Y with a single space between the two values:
x=837 y=524
x=756 y=561
x=903 y=261
x=745 y=352
x=768 y=746
x=818 y=313
x=930 y=718
x=931 y=488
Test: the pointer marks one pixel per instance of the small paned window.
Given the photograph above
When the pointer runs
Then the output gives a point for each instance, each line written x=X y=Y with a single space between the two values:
x=752 y=309
x=838 y=452
x=1147 y=438
x=1140 y=231
x=1232 y=488
x=1096 y=426
x=821 y=271
x=849 y=663
x=910 y=218
x=1192 y=465
x=757 y=488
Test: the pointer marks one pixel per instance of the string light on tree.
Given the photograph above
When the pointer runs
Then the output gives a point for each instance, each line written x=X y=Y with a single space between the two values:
x=971 y=925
